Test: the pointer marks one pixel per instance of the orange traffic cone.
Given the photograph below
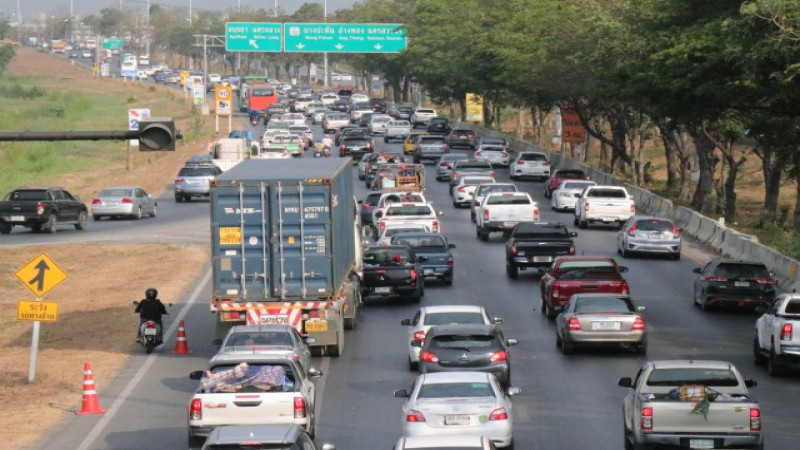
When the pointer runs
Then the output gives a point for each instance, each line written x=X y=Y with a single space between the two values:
x=181 y=347
x=90 y=403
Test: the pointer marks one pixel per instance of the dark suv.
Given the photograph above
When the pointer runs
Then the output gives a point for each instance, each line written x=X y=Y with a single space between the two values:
x=735 y=283
x=194 y=180
x=475 y=348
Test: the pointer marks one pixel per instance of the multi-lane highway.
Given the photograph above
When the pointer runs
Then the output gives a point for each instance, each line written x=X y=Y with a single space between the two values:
x=568 y=402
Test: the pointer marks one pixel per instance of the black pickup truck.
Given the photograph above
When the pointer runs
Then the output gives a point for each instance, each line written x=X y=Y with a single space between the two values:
x=392 y=271
x=537 y=244
x=41 y=209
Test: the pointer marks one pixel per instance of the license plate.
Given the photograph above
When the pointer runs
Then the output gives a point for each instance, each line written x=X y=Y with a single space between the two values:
x=427 y=271
x=317 y=326
x=542 y=259
x=150 y=332
x=17 y=218
x=701 y=443
x=606 y=325
x=456 y=420
x=741 y=284
x=509 y=224
x=520 y=253
x=609 y=219
x=274 y=320
x=383 y=290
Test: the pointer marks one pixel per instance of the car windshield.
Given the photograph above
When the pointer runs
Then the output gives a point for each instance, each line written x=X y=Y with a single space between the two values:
x=197 y=172
x=449 y=390
x=569 y=174
x=252 y=446
x=498 y=141
x=738 y=270
x=263 y=93
x=653 y=225
x=387 y=256
x=607 y=193
x=492 y=149
x=525 y=230
x=792 y=308
x=571 y=270
x=446 y=318
x=422 y=210
x=472 y=181
x=485 y=190
x=689 y=376
x=424 y=244
x=576 y=186
x=505 y=199
x=453 y=157
x=245 y=377
x=409 y=229
x=431 y=140
x=474 y=165
x=603 y=305
x=403 y=197
x=532 y=157
x=464 y=342
x=258 y=339
x=115 y=193
x=27 y=195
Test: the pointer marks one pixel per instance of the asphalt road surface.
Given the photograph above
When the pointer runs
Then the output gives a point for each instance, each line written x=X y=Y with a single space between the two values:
x=568 y=402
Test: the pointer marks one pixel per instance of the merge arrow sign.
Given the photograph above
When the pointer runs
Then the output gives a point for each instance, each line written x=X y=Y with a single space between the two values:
x=40 y=275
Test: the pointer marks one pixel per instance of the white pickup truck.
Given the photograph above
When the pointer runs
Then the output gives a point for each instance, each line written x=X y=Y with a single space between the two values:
x=422 y=116
x=416 y=212
x=228 y=152
x=606 y=204
x=251 y=389
x=502 y=211
x=690 y=404
x=777 y=340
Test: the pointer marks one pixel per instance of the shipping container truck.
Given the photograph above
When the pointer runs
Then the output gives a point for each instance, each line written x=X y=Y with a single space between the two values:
x=286 y=248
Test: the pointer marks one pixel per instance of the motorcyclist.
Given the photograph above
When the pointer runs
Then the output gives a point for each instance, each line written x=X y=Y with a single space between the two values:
x=254 y=115
x=327 y=142
x=150 y=308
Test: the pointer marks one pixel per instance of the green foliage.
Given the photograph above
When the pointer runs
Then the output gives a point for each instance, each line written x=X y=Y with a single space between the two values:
x=6 y=55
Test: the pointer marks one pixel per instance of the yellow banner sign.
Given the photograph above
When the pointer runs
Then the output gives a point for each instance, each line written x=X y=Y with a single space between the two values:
x=230 y=236
x=41 y=311
x=474 y=108
x=40 y=275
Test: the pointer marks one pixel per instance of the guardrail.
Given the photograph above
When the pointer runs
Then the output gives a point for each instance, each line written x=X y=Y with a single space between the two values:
x=724 y=240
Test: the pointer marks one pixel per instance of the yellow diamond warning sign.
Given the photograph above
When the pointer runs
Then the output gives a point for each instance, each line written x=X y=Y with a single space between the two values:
x=41 y=275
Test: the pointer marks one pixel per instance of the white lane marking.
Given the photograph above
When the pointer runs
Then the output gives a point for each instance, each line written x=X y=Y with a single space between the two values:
x=320 y=388
x=123 y=396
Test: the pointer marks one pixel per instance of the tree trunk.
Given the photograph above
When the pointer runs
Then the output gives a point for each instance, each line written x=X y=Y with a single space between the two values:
x=772 y=167
x=462 y=103
x=707 y=163
x=797 y=202
x=730 y=188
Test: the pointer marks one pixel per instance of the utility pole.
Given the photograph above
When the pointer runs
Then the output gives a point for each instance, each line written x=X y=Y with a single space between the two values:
x=190 y=26
x=19 y=24
x=147 y=42
x=325 y=56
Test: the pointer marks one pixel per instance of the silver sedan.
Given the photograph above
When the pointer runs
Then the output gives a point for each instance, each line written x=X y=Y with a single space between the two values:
x=123 y=201
x=267 y=339
x=601 y=319
x=649 y=235
x=459 y=403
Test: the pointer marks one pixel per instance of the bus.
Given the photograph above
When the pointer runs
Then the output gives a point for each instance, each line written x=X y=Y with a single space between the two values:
x=128 y=66
x=258 y=96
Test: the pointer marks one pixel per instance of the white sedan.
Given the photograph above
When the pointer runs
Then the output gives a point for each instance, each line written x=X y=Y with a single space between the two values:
x=401 y=227
x=463 y=191
x=459 y=403
x=496 y=155
x=567 y=193
x=429 y=316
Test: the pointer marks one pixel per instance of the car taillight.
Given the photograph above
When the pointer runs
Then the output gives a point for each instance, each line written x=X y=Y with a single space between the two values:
x=520 y=163
x=369 y=167
x=755 y=419
x=498 y=356
x=716 y=278
x=571 y=248
x=633 y=208
x=586 y=206
x=444 y=164
x=178 y=180
x=454 y=176
x=574 y=324
x=638 y=324
x=513 y=248
x=676 y=231
x=429 y=357
x=461 y=189
x=299 y=408
x=499 y=414
x=449 y=260
x=196 y=410
x=647 y=418
x=96 y=201
x=485 y=214
x=786 y=332
x=546 y=164
x=492 y=174
x=413 y=274
x=446 y=148
x=366 y=206
x=127 y=201
x=414 y=416
x=625 y=288
x=419 y=336
x=505 y=155
x=39 y=209
x=555 y=292
x=765 y=280
x=536 y=214
x=632 y=230
x=435 y=226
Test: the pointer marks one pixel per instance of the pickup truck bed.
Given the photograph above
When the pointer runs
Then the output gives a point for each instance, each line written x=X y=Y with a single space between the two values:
x=391 y=271
x=537 y=245
x=41 y=209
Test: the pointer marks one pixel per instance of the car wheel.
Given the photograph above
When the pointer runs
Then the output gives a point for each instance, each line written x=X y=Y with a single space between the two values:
x=448 y=281
x=195 y=441
x=155 y=210
x=625 y=253
x=413 y=366
x=415 y=298
x=512 y=176
x=758 y=358
x=472 y=216
x=559 y=342
x=5 y=227
x=575 y=221
x=178 y=198
x=543 y=307
x=51 y=226
x=512 y=271
x=81 y=224
x=567 y=347
x=704 y=306
x=627 y=438
x=482 y=234
x=676 y=256
x=187 y=198
x=550 y=312
x=385 y=140
x=582 y=224
x=774 y=368
x=510 y=446
x=138 y=214
x=641 y=348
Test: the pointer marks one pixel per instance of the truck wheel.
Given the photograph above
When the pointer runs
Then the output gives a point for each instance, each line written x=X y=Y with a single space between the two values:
x=575 y=221
x=512 y=271
x=338 y=348
x=774 y=368
x=550 y=312
x=482 y=234
x=81 y=224
x=5 y=227
x=178 y=198
x=195 y=442
x=758 y=358
x=627 y=439
x=51 y=226
x=582 y=224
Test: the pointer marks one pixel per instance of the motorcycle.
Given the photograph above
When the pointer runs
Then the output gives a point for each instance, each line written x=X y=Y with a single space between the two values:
x=322 y=151
x=254 y=120
x=149 y=334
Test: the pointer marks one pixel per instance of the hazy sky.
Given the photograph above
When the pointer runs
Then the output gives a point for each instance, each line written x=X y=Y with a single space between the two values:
x=28 y=8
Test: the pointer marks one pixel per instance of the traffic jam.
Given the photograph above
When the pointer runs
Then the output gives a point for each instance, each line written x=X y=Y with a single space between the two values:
x=358 y=228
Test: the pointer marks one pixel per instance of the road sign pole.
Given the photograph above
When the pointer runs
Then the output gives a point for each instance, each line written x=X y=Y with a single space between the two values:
x=230 y=122
x=34 y=348
x=216 y=122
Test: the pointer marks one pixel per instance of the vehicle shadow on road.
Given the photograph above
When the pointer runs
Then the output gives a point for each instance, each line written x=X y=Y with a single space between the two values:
x=180 y=384
x=153 y=438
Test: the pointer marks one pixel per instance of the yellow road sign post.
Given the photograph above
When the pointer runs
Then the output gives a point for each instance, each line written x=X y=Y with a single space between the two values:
x=40 y=275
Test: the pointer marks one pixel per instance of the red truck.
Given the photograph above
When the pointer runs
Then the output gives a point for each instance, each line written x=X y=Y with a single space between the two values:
x=570 y=275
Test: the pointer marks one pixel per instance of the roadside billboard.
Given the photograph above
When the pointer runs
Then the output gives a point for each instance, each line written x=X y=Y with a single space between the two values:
x=474 y=108
x=572 y=129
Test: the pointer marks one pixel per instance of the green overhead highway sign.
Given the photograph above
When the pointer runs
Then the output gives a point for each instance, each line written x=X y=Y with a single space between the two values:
x=112 y=43
x=344 y=37
x=253 y=37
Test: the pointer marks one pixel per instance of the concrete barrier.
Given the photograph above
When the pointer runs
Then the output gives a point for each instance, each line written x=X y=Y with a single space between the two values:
x=719 y=236
x=693 y=227
x=682 y=216
x=706 y=231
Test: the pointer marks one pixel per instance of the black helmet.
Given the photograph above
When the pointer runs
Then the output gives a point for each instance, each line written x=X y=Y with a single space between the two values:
x=151 y=293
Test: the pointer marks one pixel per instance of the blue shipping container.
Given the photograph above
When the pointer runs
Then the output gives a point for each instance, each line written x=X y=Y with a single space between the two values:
x=283 y=230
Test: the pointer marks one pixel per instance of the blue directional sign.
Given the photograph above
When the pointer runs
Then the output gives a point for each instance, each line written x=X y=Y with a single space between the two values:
x=344 y=37
x=253 y=37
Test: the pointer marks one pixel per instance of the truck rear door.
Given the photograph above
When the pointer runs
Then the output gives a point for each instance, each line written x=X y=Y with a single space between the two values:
x=674 y=416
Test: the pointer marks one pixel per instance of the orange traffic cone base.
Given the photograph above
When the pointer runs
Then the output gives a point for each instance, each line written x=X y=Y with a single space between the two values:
x=181 y=347
x=90 y=404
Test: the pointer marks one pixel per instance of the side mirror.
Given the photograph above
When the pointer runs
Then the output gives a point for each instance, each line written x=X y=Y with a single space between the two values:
x=625 y=382
x=452 y=245
x=314 y=373
x=416 y=343
x=640 y=308
x=399 y=393
x=379 y=214
x=311 y=340
x=511 y=342
x=514 y=390
x=196 y=375
x=623 y=269
x=697 y=270
x=406 y=322
x=328 y=447
x=497 y=320
x=217 y=342
x=573 y=234
x=761 y=309
x=749 y=382
x=441 y=213
x=361 y=202
x=77 y=198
